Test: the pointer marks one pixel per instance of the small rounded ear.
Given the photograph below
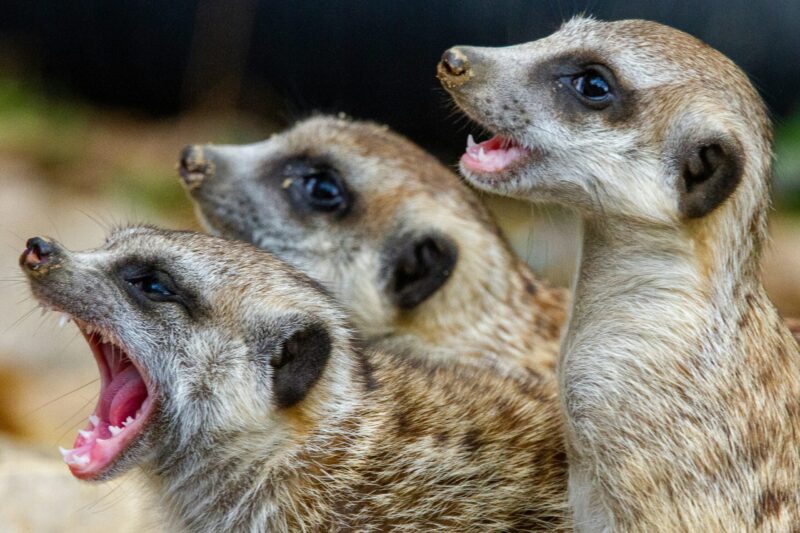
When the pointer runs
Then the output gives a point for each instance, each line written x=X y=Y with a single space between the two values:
x=709 y=172
x=299 y=358
x=417 y=266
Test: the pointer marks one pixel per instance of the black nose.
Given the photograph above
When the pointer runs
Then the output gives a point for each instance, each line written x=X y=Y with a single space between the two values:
x=38 y=253
x=193 y=166
x=455 y=62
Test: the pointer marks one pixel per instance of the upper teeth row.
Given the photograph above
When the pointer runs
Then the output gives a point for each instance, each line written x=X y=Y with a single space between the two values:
x=105 y=336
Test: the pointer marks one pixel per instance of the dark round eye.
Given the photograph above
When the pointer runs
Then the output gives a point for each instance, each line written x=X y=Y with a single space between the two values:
x=592 y=85
x=146 y=283
x=315 y=186
x=323 y=191
x=151 y=286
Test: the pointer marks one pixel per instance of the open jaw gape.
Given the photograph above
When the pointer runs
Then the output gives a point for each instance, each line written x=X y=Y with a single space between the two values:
x=127 y=397
x=679 y=381
x=122 y=410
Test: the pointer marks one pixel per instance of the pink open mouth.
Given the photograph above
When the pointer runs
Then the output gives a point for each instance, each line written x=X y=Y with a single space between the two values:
x=494 y=155
x=121 y=413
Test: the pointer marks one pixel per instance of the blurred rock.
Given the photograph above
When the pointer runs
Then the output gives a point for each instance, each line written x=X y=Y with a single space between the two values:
x=39 y=495
x=782 y=265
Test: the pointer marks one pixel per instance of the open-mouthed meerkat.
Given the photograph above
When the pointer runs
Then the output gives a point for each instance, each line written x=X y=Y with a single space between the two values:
x=235 y=383
x=407 y=248
x=680 y=383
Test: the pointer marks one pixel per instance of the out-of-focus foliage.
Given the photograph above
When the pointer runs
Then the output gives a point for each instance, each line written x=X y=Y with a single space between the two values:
x=787 y=165
x=96 y=150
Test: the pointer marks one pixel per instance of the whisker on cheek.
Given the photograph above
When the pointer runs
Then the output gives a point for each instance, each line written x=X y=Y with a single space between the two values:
x=60 y=397
x=70 y=419
x=20 y=319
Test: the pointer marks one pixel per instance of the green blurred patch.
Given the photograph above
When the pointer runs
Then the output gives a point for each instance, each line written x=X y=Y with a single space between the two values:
x=157 y=190
x=46 y=131
x=130 y=158
x=787 y=164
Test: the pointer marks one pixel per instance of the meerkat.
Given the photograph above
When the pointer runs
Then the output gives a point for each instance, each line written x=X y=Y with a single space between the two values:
x=238 y=387
x=680 y=383
x=409 y=250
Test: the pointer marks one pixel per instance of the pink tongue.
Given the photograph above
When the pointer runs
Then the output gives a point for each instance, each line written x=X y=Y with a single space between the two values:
x=123 y=396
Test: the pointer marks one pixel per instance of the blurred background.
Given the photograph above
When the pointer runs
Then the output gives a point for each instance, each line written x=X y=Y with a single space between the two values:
x=97 y=98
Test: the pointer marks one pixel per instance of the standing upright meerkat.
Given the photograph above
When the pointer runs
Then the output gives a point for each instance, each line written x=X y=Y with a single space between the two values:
x=407 y=248
x=236 y=384
x=680 y=382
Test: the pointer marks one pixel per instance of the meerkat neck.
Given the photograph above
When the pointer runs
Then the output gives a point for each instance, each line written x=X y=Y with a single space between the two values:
x=643 y=295
x=503 y=312
x=662 y=333
x=249 y=480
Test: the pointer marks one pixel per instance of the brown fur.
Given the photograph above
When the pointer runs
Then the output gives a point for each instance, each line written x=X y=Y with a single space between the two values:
x=680 y=382
x=379 y=442
x=492 y=308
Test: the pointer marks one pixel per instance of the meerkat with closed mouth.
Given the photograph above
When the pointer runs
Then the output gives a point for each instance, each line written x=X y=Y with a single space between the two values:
x=407 y=248
x=679 y=381
x=237 y=386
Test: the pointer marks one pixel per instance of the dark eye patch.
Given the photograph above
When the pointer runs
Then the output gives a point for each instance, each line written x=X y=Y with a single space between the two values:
x=149 y=284
x=594 y=86
x=315 y=186
x=585 y=85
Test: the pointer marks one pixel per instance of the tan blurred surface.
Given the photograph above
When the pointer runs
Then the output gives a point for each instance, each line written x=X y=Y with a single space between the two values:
x=39 y=495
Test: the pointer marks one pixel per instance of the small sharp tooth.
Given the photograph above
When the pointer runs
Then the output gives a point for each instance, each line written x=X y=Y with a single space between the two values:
x=94 y=420
x=128 y=420
x=64 y=452
x=80 y=460
x=114 y=430
x=470 y=141
x=481 y=154
x=65 y=318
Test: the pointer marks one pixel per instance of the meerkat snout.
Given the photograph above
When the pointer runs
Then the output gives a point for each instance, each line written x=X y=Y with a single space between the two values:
x=194 y=166
x=453 y=66
x=39 y=253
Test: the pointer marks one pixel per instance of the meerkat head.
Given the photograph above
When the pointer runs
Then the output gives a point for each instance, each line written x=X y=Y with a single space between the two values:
x=195 y=338
x=626 y=119
x=372 y=216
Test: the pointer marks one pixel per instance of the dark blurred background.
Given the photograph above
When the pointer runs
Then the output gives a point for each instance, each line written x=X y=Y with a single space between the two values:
x=281 y=58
